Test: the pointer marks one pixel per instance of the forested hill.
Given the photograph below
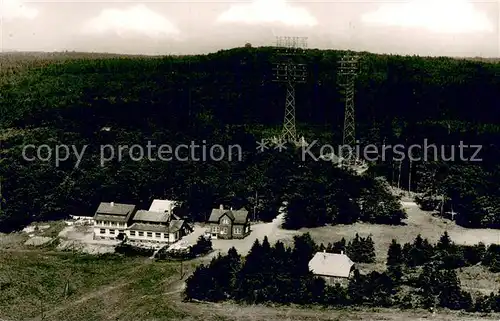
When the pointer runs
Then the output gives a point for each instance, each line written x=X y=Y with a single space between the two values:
x=228 y=97
x=236 y=85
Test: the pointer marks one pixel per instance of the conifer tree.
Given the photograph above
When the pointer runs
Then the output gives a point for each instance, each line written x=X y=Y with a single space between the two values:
x=356 y=288
x=201 y=285
x=428 y=282
x=250 y=278
x=421 y=252
x=233 y=266
x=395 y=262
x=394 y=254
x=369 y=250
x=339 y=246
x=280 y=287
x=354 y=249
x=406 y=251
x=266 y=262
x=444 y=244
x=303 y=251
x=451 y=294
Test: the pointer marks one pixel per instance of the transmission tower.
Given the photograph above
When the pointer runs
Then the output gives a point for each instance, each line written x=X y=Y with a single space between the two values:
x=348 y=67
x=290 y=73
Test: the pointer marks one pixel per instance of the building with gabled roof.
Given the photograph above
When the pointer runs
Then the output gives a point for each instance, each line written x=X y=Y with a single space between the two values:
x=112 y=219
x=333 y=267
x=229 y=224
x=156 y=227
x=159 y=225
x=162 y=206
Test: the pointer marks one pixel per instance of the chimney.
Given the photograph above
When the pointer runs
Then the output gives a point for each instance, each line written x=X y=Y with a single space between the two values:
x=341 y=252
x=112 y=203
x=221 y=207
x=231 y=208
x=324 y=251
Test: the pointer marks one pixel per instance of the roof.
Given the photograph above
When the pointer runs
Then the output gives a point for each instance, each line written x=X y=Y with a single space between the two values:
x=162 y=206
x=331 y=264
x=149 y=216
x=238 y=217
x=175 y=226
x=114 y=212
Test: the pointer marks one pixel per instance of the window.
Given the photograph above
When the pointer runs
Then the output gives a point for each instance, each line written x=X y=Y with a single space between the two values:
x=103 y=231
x=215 y=229
x=132 y=233
x=120 y=231
x=141 y=233
x=158 y=235
x=225 y=220
x=165 y=235
x=150 y=234
x=112 y=232
x=237 y=230
x=223 y=230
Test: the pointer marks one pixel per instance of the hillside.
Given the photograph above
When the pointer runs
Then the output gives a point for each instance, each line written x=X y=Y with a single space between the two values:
x=228 y=97
x=429 y=88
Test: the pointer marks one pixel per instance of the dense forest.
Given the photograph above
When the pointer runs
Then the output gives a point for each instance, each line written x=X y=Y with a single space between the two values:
x=229 y=98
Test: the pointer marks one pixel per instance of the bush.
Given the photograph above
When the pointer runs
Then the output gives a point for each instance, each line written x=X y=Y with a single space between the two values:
x=130 y=250
x=203 y=246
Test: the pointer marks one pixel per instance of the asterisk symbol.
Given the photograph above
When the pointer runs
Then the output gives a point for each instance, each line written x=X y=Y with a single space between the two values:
x=262 y=145
x=280 y=145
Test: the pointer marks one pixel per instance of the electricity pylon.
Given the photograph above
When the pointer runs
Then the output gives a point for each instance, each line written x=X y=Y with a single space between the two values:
x=290 y=73
x=348 y=71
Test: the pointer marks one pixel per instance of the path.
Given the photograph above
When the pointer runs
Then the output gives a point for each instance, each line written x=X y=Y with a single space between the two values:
x=89 y=296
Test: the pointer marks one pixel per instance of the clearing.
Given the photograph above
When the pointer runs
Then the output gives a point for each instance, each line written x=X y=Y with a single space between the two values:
x=36 y=281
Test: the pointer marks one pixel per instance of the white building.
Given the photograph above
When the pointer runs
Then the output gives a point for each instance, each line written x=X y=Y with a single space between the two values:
x=111 y=219
x=156 y=227
x=333 y=267
x=162 y=206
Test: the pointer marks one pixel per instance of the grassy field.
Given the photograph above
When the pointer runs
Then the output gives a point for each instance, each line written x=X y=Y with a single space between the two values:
x=33 y=285
x=70 y=286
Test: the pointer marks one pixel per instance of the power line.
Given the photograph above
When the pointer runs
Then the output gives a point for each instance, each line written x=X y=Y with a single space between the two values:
x=291 y=73
x=348 y=71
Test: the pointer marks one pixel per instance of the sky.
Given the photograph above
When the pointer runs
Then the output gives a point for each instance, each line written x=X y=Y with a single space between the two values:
x=416 y=27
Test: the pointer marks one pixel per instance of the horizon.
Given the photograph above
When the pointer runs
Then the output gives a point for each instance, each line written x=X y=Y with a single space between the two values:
x=27 y=52
x=459 y=28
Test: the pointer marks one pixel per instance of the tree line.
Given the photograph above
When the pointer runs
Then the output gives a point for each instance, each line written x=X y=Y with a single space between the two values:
x=281 y=275
x=260 y=182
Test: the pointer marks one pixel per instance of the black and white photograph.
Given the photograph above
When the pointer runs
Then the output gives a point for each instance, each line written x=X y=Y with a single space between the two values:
x=249 y=160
